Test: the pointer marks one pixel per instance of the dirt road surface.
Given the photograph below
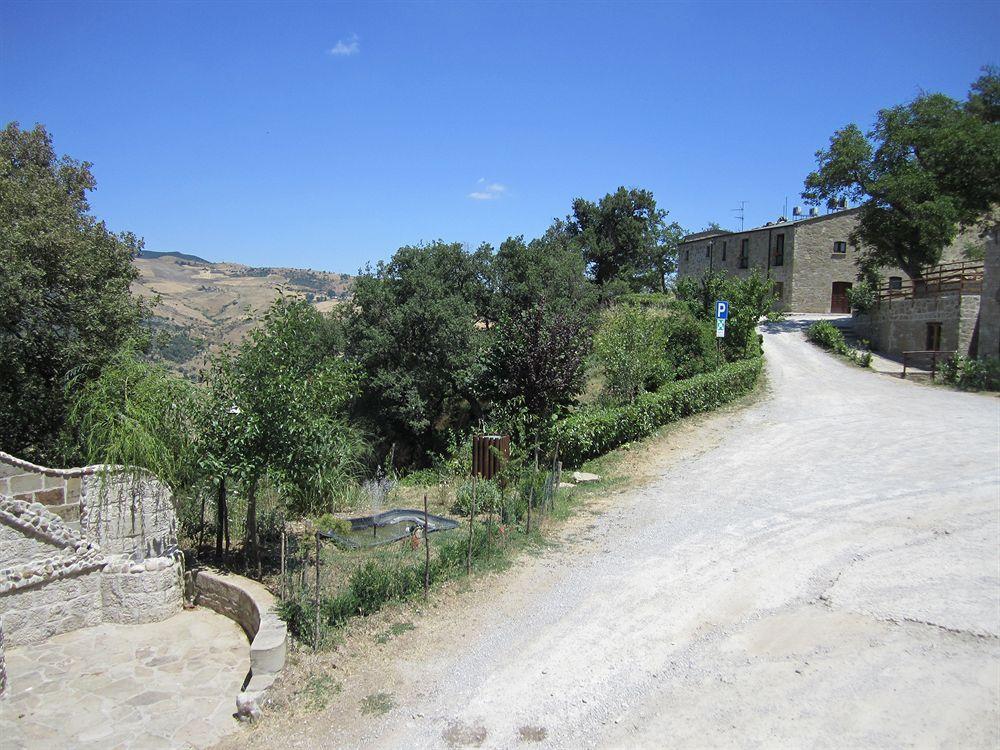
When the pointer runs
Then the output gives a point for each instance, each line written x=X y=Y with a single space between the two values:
x=821 y=569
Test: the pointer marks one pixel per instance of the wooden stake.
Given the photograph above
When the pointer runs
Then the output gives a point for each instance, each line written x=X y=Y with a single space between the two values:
x=201 y=526
x=282 y=586
x=531 y=498
x=427 y=554
x=316 y=633
x=472 y=515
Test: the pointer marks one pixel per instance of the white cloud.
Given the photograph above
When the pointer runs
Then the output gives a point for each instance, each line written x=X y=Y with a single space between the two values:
x=488 y=192
x=346 y=47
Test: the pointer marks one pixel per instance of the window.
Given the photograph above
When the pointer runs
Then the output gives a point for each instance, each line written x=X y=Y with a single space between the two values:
x=840 y=248
x=708 y=250
x=745 y=253
x=933 y=337
x=895 y=282
x=779 y=250
x=687 y=255
x=724 y=250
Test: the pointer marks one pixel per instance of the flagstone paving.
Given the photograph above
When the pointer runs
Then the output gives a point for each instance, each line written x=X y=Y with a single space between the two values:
x=169 y=684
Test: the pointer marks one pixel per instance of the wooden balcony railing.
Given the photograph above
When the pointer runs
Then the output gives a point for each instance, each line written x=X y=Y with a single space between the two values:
x=965 y=277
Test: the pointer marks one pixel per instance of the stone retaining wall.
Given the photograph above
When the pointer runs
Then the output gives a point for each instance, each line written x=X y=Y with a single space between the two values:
x=251 y=606
x=901 y=325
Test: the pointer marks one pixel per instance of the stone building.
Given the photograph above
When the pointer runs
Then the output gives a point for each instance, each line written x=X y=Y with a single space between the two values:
x=811 y=261
x=955 y=307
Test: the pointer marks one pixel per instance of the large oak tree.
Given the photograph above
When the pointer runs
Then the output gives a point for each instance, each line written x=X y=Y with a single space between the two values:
x=926 y=170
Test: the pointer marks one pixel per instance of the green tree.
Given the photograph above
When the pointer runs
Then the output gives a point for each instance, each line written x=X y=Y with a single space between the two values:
x=925 y=170
x=65 y=305
x=412 y=330
x=546 y=308
x=662 y=261
x=621 y=236
x=750 y=299
x=277 y=408
x=137 y=414
x=631 y=346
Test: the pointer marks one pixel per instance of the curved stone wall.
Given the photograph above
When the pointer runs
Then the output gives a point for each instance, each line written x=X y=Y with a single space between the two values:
x=251 y=606
x=83 y=546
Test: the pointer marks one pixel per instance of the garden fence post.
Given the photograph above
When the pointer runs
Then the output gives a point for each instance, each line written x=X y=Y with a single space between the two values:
x=472 y=515
x=427 y=554
x=316 y=632
x=282 y=585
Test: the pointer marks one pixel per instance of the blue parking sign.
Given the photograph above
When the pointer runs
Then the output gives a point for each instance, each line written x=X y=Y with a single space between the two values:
x=721 y=310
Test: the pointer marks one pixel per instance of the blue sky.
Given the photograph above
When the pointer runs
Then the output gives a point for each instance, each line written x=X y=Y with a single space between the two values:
x=327 y=135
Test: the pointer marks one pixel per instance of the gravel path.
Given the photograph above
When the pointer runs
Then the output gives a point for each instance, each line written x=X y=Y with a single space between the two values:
x=821 y=569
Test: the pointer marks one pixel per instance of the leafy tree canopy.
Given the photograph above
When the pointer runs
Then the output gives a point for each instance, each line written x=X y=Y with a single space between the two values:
x=622 y=237
x=925 y=170
x=546 y=308
x=137 y=414
x=412 y=330
x=65 y=305
x=277 y=407
x=750 y=299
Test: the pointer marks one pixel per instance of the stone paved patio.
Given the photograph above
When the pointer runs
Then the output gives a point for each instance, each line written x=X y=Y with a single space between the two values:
x=169 y=684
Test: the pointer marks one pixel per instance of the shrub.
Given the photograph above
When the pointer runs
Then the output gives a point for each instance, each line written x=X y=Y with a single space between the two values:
x=830 y=337
x=595 y=431
x=691 y=345
x=863 y=296
x=653 y=300
x=863 y=358
x=487 y=498
x=972 y=374
x=631 y=347
x=827 y=335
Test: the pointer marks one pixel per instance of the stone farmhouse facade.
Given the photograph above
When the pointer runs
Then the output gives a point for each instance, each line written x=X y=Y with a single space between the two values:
x=812 y=261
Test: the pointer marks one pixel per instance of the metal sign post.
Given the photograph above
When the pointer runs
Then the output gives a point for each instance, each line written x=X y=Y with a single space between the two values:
x=721 y=316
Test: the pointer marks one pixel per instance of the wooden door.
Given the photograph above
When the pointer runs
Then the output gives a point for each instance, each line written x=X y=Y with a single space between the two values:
x=838 y=300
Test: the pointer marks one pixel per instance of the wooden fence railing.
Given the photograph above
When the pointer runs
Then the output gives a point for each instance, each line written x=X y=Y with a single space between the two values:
x=965 y=277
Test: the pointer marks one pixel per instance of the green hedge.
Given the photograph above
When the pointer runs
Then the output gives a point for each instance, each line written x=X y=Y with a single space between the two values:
x=595 y=431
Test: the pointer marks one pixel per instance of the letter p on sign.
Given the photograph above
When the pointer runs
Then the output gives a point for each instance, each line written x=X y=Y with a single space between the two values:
x=721 y=310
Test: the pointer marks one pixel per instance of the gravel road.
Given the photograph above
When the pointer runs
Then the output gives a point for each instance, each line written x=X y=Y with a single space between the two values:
x=821 y=569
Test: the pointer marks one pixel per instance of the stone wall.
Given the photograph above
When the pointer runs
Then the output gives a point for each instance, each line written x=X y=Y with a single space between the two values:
x=83 y=546
x=58 y=490
x=131 y=515
x=250 y=605
x=817 y=266
x=150 y=591
x=901 y=325
x=989 y=309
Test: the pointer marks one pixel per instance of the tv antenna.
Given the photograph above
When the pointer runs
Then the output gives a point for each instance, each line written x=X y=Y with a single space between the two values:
x=740 y=212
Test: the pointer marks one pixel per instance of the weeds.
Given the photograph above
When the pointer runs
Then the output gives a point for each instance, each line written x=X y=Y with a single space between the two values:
x=377 y=704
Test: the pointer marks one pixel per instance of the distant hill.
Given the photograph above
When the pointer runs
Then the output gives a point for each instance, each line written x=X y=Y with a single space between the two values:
x=149 y=254
x=202 y=305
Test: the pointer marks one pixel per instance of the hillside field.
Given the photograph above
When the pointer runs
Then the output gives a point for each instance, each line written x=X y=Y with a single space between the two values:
x=201 y=305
